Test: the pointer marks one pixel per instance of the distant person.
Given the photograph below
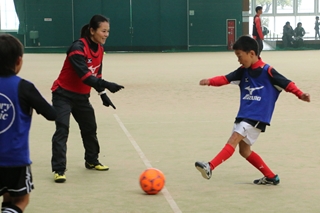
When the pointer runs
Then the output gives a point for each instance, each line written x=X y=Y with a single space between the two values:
x=18 y=98
x=316 y=28
x=299 y=32
x=82 y=70
x=257 y=33
x=260 y=86
x=288 y=35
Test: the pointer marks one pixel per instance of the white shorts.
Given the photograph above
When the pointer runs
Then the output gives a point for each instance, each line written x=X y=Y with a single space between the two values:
x=249 y=132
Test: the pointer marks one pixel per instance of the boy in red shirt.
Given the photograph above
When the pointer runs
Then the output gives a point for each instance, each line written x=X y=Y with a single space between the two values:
x=257 y=29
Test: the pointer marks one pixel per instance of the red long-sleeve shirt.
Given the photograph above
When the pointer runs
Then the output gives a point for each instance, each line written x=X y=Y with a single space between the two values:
x=276 y=78
x=257 y=31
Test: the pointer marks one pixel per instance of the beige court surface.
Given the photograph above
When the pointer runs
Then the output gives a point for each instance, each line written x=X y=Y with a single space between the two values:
x=164 y=119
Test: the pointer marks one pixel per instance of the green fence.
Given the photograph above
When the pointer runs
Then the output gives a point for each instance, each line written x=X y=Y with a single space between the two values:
x=136 y=25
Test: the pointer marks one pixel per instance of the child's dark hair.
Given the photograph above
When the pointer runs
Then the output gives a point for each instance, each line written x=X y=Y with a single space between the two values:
x=246 y=44
x=94 y=24
x=10 y=50
x=258 y=8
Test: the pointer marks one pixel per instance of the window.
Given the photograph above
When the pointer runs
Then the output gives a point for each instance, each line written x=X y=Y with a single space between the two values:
x=277 y=12
x=8 y=16
x=268 y=22
x=266 y=5
x=308 y=24
x=250 y=24
x=285 y=6
x=306 y=6
x=280 y=22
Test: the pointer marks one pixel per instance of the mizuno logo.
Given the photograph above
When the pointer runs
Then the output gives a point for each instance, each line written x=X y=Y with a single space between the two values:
x=252 y=89
x=250 y=96
x=93 y=69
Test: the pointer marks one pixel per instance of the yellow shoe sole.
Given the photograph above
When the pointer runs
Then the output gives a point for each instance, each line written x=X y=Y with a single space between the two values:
x=59 y=178
x=98 y=167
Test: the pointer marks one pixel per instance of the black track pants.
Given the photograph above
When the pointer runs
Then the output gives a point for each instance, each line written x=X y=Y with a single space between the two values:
x=83 y=113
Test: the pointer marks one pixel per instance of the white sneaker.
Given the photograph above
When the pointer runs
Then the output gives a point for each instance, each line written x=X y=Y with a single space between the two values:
x=204 y=168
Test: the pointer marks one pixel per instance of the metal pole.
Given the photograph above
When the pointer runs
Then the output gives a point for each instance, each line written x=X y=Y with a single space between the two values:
x=188 y=24
x=131 y=27
x=72 y=14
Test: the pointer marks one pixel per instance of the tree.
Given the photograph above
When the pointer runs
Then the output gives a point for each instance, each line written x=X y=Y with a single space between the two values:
x=267 y=4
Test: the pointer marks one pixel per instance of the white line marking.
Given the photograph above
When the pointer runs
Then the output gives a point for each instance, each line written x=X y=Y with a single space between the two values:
x=146 y=162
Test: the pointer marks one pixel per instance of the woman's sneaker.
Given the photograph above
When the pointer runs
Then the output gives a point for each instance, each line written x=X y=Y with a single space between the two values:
x=59 y=177
x=264 y=181
x=204 y=168
x=97 y=166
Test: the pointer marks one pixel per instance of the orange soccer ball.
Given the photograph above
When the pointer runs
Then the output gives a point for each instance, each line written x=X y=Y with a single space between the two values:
x=152 y=181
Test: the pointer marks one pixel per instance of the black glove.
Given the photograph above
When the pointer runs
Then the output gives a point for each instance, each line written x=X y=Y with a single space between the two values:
x=112 y=87
x=106 y=101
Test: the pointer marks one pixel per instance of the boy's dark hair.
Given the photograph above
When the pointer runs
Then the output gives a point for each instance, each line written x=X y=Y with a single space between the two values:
x=10 y=50
x=246 y=44
x=258 y=8
x=94 y=24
